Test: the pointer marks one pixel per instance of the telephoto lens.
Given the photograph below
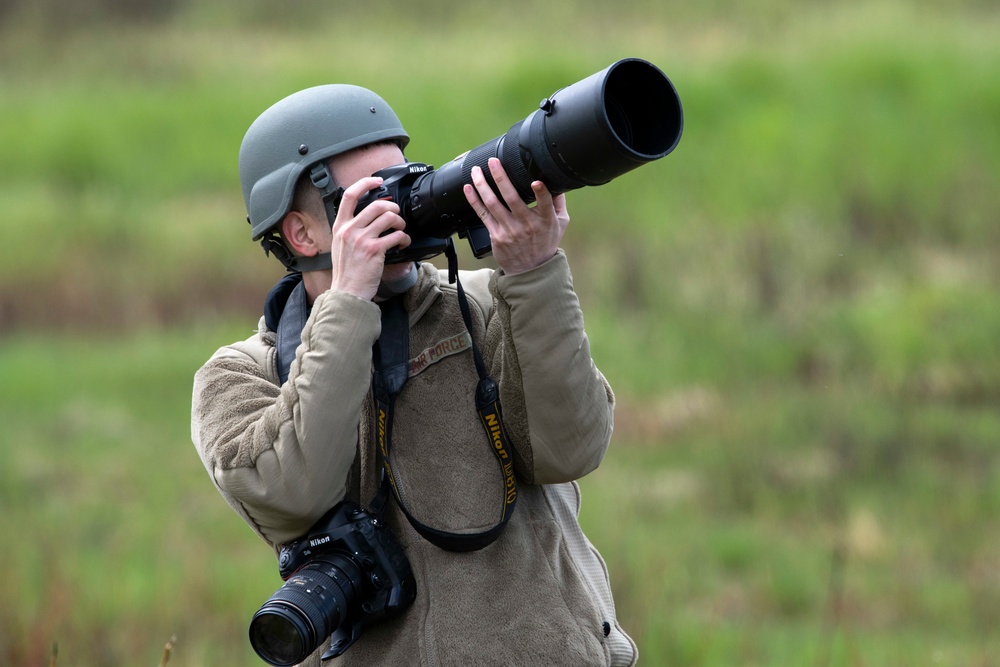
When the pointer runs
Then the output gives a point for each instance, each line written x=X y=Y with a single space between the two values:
x=587 y=134
x=305 y=610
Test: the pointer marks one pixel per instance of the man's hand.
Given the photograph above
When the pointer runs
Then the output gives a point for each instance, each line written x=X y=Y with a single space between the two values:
x=524 y=236
x=358 y=247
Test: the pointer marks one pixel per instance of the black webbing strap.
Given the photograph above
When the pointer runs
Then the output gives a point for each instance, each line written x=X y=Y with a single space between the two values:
x=391 y=355
x=272 y=243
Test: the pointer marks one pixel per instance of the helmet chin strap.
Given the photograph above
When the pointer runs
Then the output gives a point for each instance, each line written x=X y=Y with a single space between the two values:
x=320 y=262
x=320 y=176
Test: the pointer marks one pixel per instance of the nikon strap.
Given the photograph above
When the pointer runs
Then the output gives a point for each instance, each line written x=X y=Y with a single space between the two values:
x=391 y=356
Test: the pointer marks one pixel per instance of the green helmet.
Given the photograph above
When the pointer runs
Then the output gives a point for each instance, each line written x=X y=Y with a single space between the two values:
x=304 y=128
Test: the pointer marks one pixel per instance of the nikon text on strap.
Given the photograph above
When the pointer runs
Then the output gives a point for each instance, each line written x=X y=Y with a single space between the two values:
x=391 y=355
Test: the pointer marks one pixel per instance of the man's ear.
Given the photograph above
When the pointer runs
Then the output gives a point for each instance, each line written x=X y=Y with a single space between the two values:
x=299 y=233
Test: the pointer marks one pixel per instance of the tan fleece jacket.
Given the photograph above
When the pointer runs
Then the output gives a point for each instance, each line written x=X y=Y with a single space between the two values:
x=281 y=456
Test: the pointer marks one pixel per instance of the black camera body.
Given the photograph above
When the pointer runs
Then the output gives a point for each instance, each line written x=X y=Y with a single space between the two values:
x=412 y=186
x=347 y=572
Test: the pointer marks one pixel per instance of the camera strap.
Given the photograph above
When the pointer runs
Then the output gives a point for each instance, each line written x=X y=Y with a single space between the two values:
x=391 y=356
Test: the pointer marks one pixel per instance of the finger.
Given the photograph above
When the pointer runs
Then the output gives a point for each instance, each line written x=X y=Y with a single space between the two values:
x=546 y=201
x=480 y=208
x=559 y=203
x=380 y=237
x=376 y=211
x=397 y=238
x=370 y=230
x=379 y=218
x=505 y=185
x=472 y=196
x=486 y=194
x=353 y=194
x=543 y=198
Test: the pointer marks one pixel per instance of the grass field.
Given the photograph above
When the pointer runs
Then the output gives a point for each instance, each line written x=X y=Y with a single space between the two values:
x=799 y=310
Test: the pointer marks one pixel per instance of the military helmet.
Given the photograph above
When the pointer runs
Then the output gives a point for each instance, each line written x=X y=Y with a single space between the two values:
x=304 y=128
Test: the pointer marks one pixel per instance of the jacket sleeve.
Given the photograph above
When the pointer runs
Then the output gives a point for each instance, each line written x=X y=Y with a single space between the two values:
x=281 y=455
x=558 y=407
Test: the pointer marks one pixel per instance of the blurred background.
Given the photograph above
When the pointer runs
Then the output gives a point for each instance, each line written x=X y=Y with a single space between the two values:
x=799 y=310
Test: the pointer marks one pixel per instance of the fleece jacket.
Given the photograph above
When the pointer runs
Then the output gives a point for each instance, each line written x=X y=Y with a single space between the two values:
x=282 y=454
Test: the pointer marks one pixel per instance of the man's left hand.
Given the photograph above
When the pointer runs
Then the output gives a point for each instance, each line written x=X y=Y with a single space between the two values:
x=524 y=236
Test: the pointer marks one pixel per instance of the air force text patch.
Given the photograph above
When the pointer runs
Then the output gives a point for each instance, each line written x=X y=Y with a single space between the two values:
x=445 y=348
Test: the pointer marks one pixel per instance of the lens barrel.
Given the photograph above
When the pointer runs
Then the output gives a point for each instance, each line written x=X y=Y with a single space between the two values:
x=305 y=610
x=586 y=134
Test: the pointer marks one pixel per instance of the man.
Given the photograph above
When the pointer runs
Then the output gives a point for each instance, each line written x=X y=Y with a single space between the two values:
x=285 y=421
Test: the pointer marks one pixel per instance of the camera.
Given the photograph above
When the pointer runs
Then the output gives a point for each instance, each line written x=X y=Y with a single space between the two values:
x=347 y=572
x=586 y=134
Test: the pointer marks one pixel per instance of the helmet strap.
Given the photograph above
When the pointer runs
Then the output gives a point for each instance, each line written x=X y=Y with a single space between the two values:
x=319 y=175
x=273 y=244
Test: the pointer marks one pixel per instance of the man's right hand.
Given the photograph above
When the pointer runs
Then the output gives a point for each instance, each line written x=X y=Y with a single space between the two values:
x=360 y=242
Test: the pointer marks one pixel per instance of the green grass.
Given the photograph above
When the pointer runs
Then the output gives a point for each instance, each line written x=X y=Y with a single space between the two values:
x=108 y=512
x=798 y=310
x=748 y=522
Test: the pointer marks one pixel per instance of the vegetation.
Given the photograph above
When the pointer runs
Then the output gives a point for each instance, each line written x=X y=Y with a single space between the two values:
x=798 y=310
